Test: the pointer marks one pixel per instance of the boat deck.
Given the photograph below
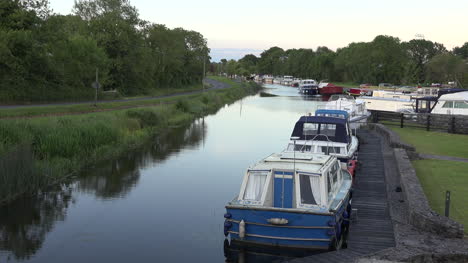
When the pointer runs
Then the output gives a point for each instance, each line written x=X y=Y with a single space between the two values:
x=372 y=230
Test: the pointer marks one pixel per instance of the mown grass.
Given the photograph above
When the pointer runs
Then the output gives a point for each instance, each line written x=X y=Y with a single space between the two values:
x=436 y=177
x=430 y=142
x=35 y=152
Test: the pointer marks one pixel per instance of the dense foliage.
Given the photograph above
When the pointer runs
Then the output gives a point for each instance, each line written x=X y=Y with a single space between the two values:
x=385 y=59
x=46 y=57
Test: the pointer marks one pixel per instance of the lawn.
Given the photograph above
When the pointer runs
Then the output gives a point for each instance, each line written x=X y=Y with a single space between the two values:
x=437 y=143
x=438 y=176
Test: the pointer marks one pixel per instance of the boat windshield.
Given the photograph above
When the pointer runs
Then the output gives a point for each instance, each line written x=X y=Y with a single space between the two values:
x=340 y=96
x=313 y=129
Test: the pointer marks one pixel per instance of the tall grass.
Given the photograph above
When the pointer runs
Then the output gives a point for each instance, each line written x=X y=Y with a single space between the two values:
x=35 y=152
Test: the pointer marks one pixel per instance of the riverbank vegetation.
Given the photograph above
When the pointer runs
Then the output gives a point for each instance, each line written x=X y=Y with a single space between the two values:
x=384 y=59
x=48 y=57
x=40 y=151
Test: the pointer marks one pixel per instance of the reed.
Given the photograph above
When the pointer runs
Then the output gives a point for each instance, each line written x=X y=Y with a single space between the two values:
x=36 y=152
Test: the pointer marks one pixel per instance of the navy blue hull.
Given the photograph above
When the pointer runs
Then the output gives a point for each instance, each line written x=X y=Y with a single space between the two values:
x=303 y=230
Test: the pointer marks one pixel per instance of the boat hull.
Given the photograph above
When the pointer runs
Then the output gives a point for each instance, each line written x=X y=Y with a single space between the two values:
x=309 y=91
x=321 y=231
x=330 y=90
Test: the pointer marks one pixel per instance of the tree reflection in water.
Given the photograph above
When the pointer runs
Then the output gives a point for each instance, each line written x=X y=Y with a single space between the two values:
x=25 y=222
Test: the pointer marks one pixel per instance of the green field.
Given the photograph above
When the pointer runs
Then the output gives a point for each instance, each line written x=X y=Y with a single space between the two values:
x=436 y=177
x=437 y=143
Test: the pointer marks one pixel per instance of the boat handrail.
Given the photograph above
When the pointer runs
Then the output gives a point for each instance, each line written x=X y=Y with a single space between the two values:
x=313 y=139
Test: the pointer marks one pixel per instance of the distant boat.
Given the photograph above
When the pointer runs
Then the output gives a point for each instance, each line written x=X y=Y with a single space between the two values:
x=329 y=89
x=308 y=87
x=292 y=199
x=451 y=104
x=355 y=108
x=287 y=80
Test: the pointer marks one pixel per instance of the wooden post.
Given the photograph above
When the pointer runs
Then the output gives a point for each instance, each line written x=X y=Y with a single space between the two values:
x=447 y=203
x=452 y=125
x=428 y=122
x=401 y=120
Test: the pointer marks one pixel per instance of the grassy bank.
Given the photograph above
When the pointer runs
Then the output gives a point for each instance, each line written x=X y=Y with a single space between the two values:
x=437 y=143
x=40 y=151
x=437 y=177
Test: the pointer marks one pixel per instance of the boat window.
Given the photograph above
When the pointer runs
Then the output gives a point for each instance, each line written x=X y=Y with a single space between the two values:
x=310 y=128
x=299 y=147
x=448 y=104
x=329 y=149
x=255 y=185
x=461 y=105
x=328 y=129
x=332 y=180
x=310 y=189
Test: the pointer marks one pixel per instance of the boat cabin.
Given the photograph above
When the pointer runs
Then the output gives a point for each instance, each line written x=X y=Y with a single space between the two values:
x=295 y=181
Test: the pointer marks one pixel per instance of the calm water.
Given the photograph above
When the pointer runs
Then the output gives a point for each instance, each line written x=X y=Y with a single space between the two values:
x=164 y=203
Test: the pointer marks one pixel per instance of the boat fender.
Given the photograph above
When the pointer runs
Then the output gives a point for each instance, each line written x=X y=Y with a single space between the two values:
x=226 y=231
x=242 y=229
x=345 y=214
x=331 y=232
x=278 y=221
x=331 y=223
x=227 y=215
x=227 y=224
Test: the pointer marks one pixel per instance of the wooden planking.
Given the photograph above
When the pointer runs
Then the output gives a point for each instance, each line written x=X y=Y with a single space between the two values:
x=373 y=229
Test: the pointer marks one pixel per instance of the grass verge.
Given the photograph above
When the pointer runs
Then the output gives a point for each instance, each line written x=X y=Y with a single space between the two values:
x=41 y=151
x=438 y=176
x=431 y=142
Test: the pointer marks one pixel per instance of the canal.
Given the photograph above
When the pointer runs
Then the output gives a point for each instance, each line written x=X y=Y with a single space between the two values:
x=162 y=203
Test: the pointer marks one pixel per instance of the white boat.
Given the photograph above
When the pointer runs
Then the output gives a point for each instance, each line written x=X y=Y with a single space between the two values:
x=327 y=133
x=308 y=87
x=277 y=80
x=292 y=199
x=453 y=103
x=355 y=108
x=287 y=80
x=383 y=100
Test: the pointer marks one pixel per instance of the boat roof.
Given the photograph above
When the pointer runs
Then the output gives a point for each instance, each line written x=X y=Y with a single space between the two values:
x=341 y=134
x=323 y=112
x=306 y=162
x=455 y=96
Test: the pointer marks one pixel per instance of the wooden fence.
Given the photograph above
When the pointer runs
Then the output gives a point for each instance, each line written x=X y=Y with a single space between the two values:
x=438 y=122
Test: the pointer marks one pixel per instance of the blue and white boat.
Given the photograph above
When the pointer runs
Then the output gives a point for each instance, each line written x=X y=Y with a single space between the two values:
x=292 y=199
x=328 y=132
x=308 y=87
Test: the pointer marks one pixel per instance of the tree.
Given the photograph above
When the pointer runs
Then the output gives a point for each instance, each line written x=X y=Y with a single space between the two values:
x=272 y=61
x=447 y=67
x=461 y=51
x=420 y=51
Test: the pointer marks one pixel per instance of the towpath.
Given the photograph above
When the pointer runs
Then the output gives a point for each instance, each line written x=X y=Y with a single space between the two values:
x=442 y=157
x=213 y=83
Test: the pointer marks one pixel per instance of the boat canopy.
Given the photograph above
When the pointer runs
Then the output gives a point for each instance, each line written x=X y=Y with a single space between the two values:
x=459 y=96
x=322 y=129
x=332 y=113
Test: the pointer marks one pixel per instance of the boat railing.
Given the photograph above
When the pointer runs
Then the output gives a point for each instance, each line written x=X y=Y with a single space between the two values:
x=314 y=139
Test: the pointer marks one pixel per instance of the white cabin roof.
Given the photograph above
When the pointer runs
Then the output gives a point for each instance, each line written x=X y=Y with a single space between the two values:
x=306 y=162
x=457 y=96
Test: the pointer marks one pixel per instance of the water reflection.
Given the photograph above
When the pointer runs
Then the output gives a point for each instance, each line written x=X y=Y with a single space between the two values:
x=237 y=252
x=25 y=223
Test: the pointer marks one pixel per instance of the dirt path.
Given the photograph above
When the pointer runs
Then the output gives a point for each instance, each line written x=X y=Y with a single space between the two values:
x=442 y=157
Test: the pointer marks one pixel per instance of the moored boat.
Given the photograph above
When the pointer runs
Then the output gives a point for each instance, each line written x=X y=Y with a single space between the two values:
x=328 y=132
x=329 y=89
x=355 y=108
x=308 y=87
x=292 y=199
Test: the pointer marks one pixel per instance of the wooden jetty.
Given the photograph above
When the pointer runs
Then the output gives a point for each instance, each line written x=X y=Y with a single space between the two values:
x=372 y=229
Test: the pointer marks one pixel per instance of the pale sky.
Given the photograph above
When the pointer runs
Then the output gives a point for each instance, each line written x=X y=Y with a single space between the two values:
x=255 y=25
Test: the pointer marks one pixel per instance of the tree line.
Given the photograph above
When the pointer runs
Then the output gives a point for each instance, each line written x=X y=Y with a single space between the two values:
x=47 y=57
x=385 y=59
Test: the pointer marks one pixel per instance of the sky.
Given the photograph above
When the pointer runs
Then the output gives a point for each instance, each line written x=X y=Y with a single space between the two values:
x=236 y=28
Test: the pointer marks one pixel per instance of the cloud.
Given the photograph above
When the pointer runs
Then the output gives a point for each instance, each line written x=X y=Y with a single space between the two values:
x=232 y=53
